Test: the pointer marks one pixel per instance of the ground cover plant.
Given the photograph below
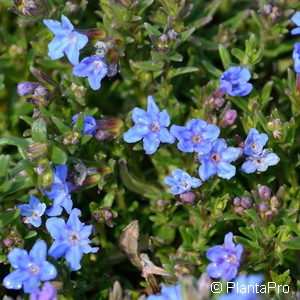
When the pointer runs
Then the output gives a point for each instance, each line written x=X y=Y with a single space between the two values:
x=149 y=149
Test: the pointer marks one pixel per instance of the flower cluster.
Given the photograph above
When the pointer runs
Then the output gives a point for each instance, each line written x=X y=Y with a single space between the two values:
x=68 y=41
x=71 y=240
x=258 y=159
x=198 y=136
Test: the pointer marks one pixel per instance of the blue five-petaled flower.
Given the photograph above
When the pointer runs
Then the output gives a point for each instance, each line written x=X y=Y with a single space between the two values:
x=30 y=268
x=182 y=182
x=296 y=20
x=33 y=211
x=244 y=288
x=225 y=259
x=196 y=136
x=234 y=81
x=255 y=142
x=218 y=160
x=66 y=41
x=260 y=162
x=71 y=239
x=168 y=293
x=151 y=126
x=59 y=192
x=92 y=67
x=89 y=124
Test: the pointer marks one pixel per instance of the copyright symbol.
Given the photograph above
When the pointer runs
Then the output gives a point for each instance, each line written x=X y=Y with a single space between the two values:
x=216 y=287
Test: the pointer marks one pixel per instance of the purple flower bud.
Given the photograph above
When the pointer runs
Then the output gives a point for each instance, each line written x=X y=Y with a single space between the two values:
x=187 y=198
x=239 y=210
x=204 y=286
x=246 y=202
x=264 y=192
x=172 y=34
x=237 y=201
x=102 y=135
x=26 y=88
x=229 y=118
x=8 y=242
x=219 y=101
x=263 y=207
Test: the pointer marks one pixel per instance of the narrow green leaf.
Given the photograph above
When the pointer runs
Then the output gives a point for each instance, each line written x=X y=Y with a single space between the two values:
x=180 y=71
x=225 y=56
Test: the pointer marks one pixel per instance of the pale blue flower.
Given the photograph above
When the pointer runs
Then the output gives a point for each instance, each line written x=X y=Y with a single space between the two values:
x=150 y=126
x=66 y=41
x=33 y=211
x=296 y=57
x=234 y=81
x=296 y=20
x=196 y=136
x=182 y=182
x=260 y=162
x=218 y=160
x=255 y=142
x=30 y=268
x=59 y=192
x=225 y=259
x=70 y=239
x=92 y=67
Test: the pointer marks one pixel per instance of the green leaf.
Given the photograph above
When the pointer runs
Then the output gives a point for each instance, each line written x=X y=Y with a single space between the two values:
x=39 y=131
x=151 y=30
x=132 y=183
x=211 y=69
x=147 y=65
x=8 y=217
x=58 y=156
x=225 y=56
x=180 y=71
x=62 y=127
x=4 y=163
x=266 y=93
x=293 y=244
x=21 y=165
x=186 y=34
x=238 y=53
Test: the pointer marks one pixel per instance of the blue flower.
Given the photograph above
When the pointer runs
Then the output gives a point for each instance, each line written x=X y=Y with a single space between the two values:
x=296 y=20
x=239 y=289
x=296 y=57
x=234 y=81
x=150 y=126
x=33 y=211
x=218 y=160
x=66 y=41
x=92 y=67
x=225 y=259
x=196 y=136
x=48 y=292
x=182 y=182
x=168 y=293
x=70 y=239
x=89 y=124
x=261 y=162
x=59 y=192
x=255 y=142
x=30 y=268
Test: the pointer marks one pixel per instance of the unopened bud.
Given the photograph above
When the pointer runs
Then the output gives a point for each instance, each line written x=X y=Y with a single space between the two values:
x=172 y=34
x=237 y=201
x=219 y=101
x=229 y=118
x=204 y=286
x=264 y=192
x=274 y=202
x=26 y=88
x=37 y=151
x=277 y=134
x=187 y=198
x=71 y=138
x=108 y=126
x=246 y=202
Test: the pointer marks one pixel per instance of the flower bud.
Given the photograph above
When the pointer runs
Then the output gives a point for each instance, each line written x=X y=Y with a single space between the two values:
x=71 y=138
x=246 y=202
x=229 y=118
x=239 y=210
x=30 y=8
x=26 y=88
x=219 y=101
x=172 y=34
x=277 y=134
x=105 y=215
x=204 y=286
x=108 y=126
x=264 y=192
x=187 y=198
x=263 y=207
x=237 y=201
x=274 y=202
x=37 y=151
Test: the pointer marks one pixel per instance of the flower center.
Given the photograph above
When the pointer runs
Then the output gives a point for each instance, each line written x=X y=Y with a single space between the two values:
x=253 y=146
x=74 y=238
x=97 y=64
x=231 y=259
x=155 y=127
x=186 y=185
x=34 y=269
x=259 y=161
x=35 y=214
x=215 y=157
x=73 y=39
x=196 y=138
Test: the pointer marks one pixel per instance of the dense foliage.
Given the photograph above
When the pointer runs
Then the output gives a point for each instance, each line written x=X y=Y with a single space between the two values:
x=77 y=150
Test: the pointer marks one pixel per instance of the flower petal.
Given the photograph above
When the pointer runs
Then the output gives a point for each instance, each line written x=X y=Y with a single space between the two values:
x=73 y=257
x=165 y=136
x=38 y=252
x=135 y=134
x=48 y=271
x=151 y=143
x=207 y=170
x=225 y=170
